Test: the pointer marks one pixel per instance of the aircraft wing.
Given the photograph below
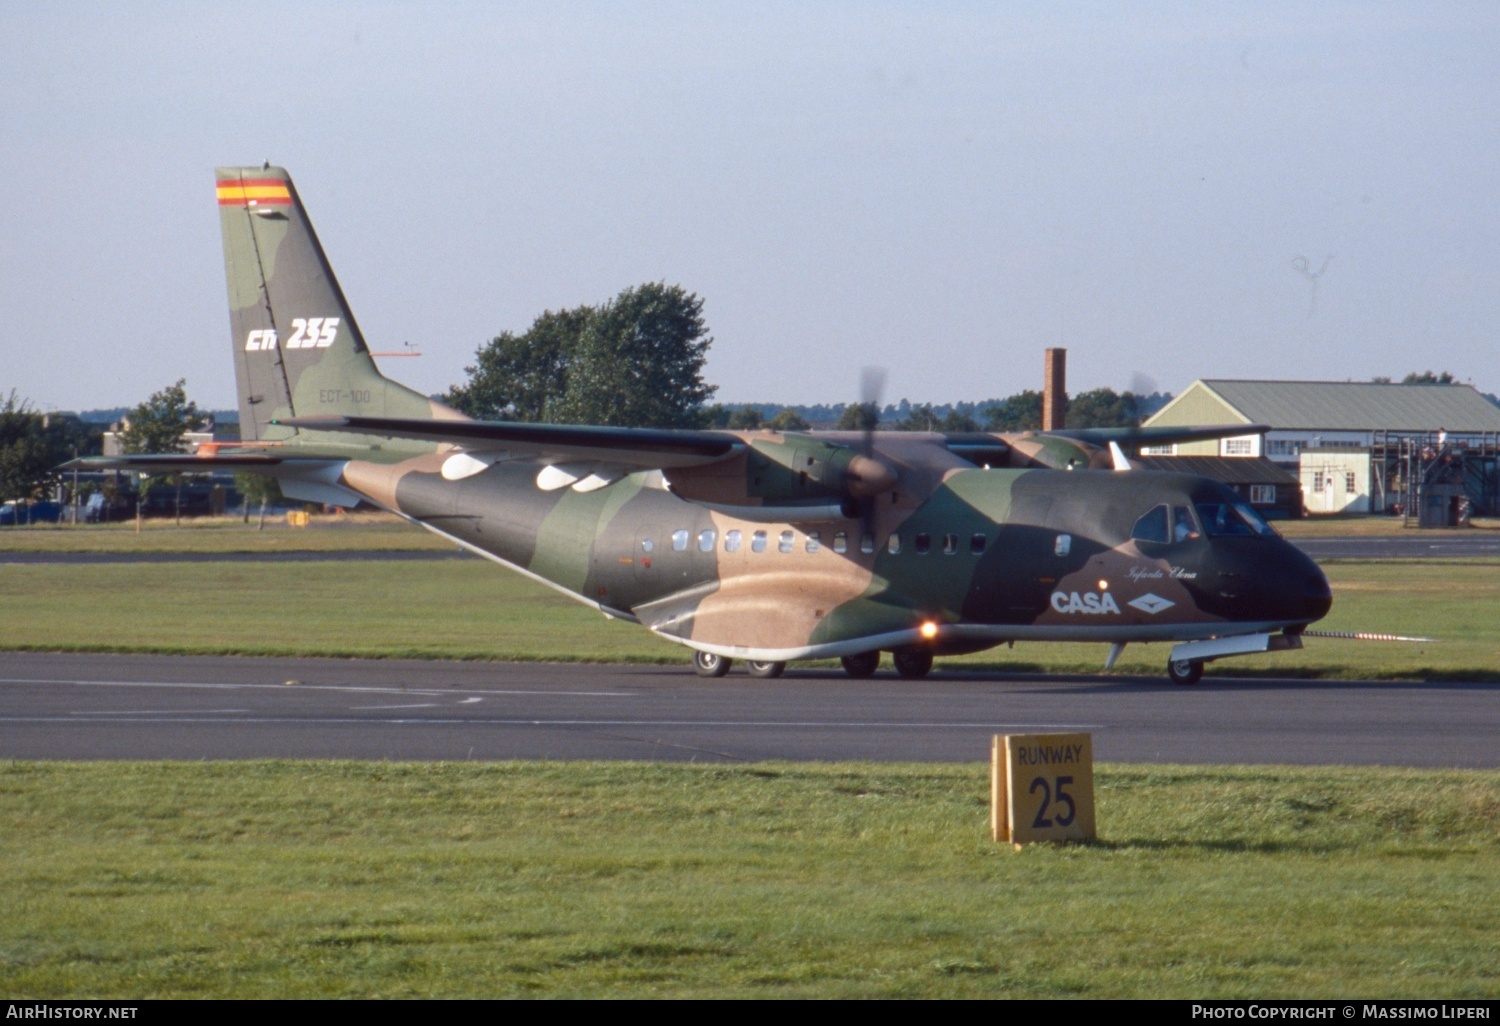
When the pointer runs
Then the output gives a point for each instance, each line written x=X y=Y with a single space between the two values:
x=181 y=463
x=634 y=448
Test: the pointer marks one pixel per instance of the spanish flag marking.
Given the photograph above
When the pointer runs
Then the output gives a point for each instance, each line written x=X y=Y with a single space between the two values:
x=257 y=192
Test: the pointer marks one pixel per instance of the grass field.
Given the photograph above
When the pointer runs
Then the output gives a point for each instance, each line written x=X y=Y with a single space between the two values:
x=473 y=610
x=335 y=879
x=227 y=534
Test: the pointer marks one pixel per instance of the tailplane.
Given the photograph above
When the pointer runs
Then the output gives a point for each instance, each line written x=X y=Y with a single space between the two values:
x=298 y=351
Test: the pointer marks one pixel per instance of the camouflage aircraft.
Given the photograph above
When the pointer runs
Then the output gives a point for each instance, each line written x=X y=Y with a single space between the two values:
x=760 y=546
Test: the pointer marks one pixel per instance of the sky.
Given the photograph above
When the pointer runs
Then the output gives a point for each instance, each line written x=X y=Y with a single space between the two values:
x=1170 y=191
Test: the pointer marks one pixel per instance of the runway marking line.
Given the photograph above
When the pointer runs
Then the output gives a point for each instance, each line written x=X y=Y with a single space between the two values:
x=306 y=687
x=155 y=712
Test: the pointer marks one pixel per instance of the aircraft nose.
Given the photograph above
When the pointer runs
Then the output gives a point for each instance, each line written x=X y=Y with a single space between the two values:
x=1317 y=596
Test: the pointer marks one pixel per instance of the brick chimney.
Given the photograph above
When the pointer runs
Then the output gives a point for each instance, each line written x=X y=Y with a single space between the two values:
x=1055 y=391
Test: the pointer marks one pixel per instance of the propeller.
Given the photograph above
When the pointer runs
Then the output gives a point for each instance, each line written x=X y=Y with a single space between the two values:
x=869 y=476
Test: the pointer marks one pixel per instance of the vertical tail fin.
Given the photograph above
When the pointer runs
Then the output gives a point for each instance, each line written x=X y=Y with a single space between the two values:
x=297 y=348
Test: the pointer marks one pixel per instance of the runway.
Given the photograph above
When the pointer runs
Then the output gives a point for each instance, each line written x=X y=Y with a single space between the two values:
x=68 y=706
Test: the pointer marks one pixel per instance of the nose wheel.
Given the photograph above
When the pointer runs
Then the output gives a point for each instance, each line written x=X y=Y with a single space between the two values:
x=1185 y=671
x=765 y=671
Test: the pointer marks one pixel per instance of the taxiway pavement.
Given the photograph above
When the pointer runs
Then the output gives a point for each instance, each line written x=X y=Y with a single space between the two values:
x=72 y=706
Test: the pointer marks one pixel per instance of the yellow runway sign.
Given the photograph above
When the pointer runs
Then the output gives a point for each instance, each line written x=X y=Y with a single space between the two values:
x=1042 y=788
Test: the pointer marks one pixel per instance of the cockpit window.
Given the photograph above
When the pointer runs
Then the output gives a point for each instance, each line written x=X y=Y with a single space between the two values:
x=1152 y=527
x=1255 y=520
x=1223 y=518
x=1184 y=527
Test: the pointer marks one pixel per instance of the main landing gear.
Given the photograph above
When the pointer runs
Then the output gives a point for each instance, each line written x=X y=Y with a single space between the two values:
x=706 y=664
x=911 y=663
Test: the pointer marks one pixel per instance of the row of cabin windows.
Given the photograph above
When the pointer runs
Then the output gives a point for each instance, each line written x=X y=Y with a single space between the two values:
x=786 y=541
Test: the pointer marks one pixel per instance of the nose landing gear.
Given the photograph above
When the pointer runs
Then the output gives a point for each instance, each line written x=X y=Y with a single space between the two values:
x=1185 y=671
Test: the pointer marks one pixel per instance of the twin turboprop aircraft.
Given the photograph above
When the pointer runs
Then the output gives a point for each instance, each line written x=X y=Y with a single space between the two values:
x=760 y=546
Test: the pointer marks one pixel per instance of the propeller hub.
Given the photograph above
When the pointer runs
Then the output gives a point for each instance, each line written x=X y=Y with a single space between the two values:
x=867 y=476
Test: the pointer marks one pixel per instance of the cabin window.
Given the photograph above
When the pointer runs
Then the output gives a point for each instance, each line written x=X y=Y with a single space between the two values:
x=867 y=542
x=785 y=545
x=976 y=544
x=814 y=542
x=1063 y=545
x=758 y=541
x=647 y=544
x=680 y=540
x=921 y=543
x=893 y=545
x=706 y=539
x=731 y=541
x=950 y=544
x=840 y=542
x=1152 y=527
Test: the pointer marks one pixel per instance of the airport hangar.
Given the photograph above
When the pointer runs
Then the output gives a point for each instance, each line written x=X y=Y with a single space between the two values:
x=1430 y=453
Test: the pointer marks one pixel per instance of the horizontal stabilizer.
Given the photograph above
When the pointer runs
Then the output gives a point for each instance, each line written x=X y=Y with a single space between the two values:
x=640 y=448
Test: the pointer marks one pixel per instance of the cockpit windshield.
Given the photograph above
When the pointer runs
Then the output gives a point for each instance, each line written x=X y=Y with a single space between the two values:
x=1224 y=518
x=1165 y=525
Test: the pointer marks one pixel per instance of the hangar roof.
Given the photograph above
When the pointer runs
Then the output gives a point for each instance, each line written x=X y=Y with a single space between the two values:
x=1343 y=405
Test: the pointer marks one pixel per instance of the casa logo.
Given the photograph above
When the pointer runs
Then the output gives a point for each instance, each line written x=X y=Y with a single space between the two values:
x=1089 y=603
x=1149 y=603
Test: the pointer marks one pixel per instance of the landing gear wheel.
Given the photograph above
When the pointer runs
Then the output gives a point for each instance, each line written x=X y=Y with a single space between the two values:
x=1185 y=671
x=912 y=662
x=863 y=665
x=706 y=664
x=765 y=671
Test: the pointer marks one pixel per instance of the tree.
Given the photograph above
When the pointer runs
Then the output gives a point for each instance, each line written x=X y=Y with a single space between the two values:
x=518 y=377
x=639 y=362
x=789 y=420
x=1428 y=378
x=1102 y=407
x=31 y=447
x=635 y=361
x=157 y=426
x=1020 y=412
x=859 y=417
x=257 y=488
x=747 y=418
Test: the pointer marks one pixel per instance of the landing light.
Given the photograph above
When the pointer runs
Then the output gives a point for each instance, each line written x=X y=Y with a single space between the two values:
x=929 y=630
x=1103 y=585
